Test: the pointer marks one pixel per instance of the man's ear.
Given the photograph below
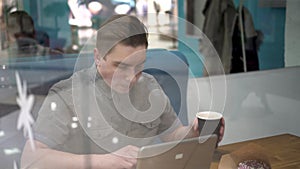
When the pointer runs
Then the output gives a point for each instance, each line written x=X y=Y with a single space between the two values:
x=97 y=56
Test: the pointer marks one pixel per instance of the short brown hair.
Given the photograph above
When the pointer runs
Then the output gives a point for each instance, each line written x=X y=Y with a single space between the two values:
x=121 y=29
x=23 y=21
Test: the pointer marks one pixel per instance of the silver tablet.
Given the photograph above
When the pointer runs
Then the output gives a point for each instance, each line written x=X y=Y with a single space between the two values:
x=193 y=153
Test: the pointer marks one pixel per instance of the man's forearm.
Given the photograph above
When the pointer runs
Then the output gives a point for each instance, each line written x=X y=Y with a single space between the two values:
x=45 y=158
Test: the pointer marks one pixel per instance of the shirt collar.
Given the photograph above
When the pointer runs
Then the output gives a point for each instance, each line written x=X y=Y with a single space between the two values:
x=101 y=86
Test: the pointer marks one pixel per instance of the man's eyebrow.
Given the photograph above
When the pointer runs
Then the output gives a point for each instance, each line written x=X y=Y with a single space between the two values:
x=121 y=63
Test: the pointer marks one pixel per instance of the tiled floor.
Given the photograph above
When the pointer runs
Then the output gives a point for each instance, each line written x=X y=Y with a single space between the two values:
x=162 y=37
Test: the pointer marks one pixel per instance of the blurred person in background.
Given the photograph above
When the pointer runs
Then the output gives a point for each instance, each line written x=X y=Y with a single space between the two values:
x=23 y=39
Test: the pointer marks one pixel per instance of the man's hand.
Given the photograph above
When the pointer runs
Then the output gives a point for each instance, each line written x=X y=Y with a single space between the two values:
x=46 y=158
x=221 y=132
x=125 y=158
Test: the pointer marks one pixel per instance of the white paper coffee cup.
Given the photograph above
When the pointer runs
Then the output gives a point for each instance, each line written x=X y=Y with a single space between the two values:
x=209 y=122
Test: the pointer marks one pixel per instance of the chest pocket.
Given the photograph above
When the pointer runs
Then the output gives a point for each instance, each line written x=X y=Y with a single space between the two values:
x=152 y=124
x=99 y=133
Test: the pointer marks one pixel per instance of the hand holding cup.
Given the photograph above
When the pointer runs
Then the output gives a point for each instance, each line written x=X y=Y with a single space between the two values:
x=210 y=122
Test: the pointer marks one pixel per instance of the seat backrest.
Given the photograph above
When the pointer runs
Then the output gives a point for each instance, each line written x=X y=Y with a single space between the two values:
x=171 y=70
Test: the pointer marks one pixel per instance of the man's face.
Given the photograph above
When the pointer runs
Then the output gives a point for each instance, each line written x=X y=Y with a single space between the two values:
x=122 y=67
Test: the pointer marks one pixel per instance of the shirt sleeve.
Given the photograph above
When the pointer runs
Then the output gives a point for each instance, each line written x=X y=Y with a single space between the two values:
x=169 y=119
x=51 y=127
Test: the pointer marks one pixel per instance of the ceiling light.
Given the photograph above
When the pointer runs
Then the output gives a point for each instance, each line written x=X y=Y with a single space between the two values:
x=122 y=9
x=2 y=134
x=95 y=7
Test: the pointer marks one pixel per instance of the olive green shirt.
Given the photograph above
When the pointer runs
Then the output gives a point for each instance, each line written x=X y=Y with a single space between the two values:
x=83 y=115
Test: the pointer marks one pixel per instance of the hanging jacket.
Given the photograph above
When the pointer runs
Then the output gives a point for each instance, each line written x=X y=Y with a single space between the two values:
x=220 y=16
x=251 y=46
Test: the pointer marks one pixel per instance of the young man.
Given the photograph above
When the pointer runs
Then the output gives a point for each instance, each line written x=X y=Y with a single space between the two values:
x=101 y=115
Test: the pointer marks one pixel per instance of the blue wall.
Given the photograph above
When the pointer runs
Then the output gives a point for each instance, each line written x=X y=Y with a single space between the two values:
x=271 y=21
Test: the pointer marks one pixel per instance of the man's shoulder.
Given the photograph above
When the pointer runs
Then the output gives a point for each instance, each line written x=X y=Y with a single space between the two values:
x=78 y=79
x=145 y=77
x=147 y=82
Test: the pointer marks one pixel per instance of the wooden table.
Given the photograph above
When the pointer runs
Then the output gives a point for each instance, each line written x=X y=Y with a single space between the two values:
x=283 y=151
